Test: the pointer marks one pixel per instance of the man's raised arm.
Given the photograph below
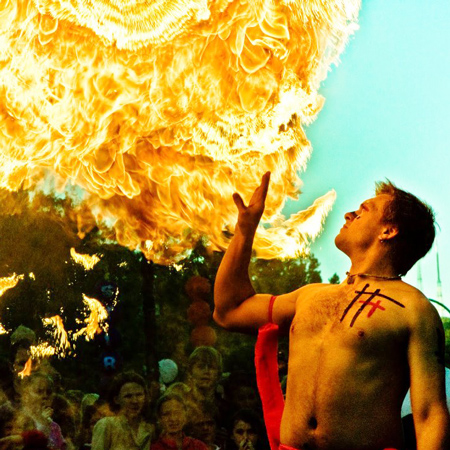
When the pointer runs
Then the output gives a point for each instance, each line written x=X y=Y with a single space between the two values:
x=237 y=306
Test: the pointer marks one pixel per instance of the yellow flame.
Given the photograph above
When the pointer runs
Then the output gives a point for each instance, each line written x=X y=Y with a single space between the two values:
x=177 y=267
x=9 y=282
x=161 y=110
x=87 y=261
x=59 y=333
x=42 y=350
x=26 y=372
x=3 y=329
x=95 y=322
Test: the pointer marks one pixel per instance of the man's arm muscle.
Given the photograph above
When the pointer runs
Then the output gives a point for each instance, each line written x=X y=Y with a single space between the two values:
x=427 y=374
x=253 y=312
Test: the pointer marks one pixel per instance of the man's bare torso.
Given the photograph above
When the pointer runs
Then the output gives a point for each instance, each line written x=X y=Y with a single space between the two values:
x=348 y=370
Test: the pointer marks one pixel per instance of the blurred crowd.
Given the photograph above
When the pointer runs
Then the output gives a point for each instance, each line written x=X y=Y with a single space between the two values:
x=200 y=409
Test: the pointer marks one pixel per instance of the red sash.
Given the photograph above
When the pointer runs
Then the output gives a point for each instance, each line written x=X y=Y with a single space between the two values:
x=266 y=363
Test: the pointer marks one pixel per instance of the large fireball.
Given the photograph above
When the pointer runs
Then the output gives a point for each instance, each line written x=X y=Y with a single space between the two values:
x=160 y=110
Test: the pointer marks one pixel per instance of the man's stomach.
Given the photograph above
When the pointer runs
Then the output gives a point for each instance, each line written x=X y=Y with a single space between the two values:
x=338 y=401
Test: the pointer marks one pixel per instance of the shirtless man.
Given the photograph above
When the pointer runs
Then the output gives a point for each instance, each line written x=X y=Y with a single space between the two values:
x=355 y=348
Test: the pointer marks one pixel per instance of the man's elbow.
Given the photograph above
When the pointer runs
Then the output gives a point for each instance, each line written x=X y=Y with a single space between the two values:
x=221 y=319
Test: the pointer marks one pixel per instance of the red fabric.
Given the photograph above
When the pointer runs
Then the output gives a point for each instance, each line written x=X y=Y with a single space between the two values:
x=266 y=363
x=34 y=439
x=170 y=444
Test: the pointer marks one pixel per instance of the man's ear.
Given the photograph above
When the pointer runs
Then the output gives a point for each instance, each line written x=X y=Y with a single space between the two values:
x=389 y=232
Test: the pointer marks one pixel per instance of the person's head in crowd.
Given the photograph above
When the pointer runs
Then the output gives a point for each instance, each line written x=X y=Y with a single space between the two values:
x=128 y=395
x=246 y=430
x=203 y=426
x=19 y=352
x=21 y=335
x=92 y=412
x=36 y=392
x=19 y=356
x=204 y=369
x=171 y=413
x=241 y=391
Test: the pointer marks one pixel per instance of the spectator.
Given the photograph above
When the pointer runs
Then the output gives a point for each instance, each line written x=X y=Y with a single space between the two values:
x=203 y=426
x=128 y=429
x=36 y=412
x=204 y=370
x=91 y=414
x=241 y=393
x=171 y=412
x=65 y=415
x=246 y=432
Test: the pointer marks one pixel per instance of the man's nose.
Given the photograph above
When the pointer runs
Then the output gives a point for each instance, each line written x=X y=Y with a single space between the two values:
x=350 y=215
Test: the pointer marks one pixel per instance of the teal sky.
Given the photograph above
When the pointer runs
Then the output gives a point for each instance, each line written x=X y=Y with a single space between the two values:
x=386 y=115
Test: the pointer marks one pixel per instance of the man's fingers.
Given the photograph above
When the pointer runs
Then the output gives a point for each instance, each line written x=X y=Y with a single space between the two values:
x=238 y=202
x=265 y=185
x=260 y=194
x=258 y=197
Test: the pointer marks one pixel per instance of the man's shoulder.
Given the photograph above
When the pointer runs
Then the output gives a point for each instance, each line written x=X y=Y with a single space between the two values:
x=419 y=306
x=313 y=287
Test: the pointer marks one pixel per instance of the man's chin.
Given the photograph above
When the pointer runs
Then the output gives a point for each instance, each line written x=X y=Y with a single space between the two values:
x=338 y=241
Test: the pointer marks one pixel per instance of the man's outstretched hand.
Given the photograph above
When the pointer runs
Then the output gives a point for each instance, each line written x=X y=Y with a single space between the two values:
x=249 y=216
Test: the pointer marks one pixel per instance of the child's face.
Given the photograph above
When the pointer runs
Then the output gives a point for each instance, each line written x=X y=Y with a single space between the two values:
x=38 y=392
x=172 y=417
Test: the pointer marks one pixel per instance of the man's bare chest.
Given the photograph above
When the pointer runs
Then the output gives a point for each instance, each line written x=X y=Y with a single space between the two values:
x=361 y=315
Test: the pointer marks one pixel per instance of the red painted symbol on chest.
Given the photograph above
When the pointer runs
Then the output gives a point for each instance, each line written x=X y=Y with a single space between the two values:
x=375 y=305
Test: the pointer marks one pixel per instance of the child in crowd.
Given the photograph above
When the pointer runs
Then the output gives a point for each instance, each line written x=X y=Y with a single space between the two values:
x=36 y=396
x=247 y=432
x=171 y=412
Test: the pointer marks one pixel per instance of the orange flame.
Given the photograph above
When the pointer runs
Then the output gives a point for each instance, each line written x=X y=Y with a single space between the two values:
x=161 y=110
x=87 y=261
x=7 y=283
x=59 y=333
x=26 y=372
x=95 y=323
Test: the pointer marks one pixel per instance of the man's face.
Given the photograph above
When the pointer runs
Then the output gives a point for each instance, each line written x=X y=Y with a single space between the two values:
x=131 y=399
x=172 y=417
x=364 y=226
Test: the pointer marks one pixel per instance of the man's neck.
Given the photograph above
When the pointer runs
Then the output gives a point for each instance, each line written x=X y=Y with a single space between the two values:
x=377 y=265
